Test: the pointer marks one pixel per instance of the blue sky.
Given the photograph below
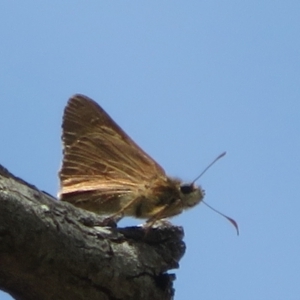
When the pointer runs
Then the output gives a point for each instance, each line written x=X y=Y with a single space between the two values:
x=186 y=80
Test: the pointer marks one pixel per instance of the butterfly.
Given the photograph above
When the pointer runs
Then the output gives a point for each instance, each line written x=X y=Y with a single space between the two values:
x=105 y=171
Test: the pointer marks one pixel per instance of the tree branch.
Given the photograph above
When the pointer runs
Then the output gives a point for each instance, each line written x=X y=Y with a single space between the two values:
x=53 y=250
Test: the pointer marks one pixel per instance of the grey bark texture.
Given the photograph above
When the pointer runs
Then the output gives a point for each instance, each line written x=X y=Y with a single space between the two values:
x=53 y=250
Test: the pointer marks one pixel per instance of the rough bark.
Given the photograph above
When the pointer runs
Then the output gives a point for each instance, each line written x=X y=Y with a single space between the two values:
x=53 y=250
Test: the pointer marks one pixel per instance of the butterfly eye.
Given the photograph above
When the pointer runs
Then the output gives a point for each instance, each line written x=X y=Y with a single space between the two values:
x=186 y=188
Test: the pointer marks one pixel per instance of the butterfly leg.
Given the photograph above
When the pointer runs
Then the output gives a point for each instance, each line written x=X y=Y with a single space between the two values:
x=158 y=216
x=121 y=212
x=163 y=212
x=112 y=221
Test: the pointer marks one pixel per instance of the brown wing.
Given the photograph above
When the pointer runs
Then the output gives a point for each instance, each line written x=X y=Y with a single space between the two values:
x=99 y=155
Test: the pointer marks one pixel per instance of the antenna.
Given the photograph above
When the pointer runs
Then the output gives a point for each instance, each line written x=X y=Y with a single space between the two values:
x=233 y=222
x=217 y=158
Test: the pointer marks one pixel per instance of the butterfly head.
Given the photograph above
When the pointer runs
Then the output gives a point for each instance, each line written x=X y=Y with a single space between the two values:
x=191 y=194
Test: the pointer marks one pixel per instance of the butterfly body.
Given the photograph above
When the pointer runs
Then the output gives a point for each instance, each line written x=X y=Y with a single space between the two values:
x=151 y=202
x=106 y=172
